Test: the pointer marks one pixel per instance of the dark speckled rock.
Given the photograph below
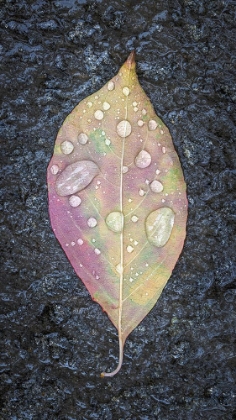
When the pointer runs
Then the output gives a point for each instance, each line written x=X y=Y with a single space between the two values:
x=180 y=363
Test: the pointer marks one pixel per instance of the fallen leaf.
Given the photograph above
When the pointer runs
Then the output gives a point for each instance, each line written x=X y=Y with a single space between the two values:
x=117 y=199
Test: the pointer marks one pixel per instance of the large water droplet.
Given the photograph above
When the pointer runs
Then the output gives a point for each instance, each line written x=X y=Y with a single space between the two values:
x=143 y=159
x=124 y=128
x=156 y=186
x=126 y=91
x=82 y=138
x=159 y=224
x=115 y=221
x=111 y=85
x=76 y=177
x=67 y=147
x=98 y=115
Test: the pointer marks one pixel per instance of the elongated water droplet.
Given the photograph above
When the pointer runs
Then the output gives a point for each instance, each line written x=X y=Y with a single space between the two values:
x=115 y=221
x=143 y=159
x=54 y=169
x=159 y=224
x=76 y=177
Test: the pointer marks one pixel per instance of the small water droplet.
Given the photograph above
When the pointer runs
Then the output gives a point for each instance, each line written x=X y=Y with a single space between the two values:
x=97 y=251
x=134 y=219
x=107 y=142
x=162 y=132
x=92 y=222
x=89 y=104
x=74 y=201
x=124 y=128
x=111 y=85
x=134 y=104
x=80 y=241
x=140 y=123
x=135 y=109
x=135 y=243
x=156 y=186
x=67 y=147
x=126 y=91
x=119 y=268
x=125 y=169
x=54 y=169
x=98 y=115
x=76 y=177
x=129 y=248
x=163 y=149
x=144 y=112
x=158 y=172
x=141 y=193
x=143 y=159
x=152 y=125
x=159 y=224
x=106 y=106
x=82 y=138
x=131 y=279
x=73 y=243
x=115 y=221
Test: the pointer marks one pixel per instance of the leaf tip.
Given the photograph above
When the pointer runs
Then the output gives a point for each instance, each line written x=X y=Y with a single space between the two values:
x=131 y=60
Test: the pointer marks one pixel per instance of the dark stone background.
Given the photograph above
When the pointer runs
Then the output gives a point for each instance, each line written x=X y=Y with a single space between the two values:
x=180 y=362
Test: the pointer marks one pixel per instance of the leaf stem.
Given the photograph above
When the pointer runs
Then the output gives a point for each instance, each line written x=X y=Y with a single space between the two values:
x=114 y=372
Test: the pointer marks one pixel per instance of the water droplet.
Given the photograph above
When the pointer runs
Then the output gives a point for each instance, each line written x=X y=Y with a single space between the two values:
x=159 y=224
x=111 y=85
x=67 y=147
x=92 y=222
x=125 y=169
x=76 y=177
x=134 y=104
x=89 y=104
x=80 y=241
x=135 y=109
x=119 y=268
x=144 y=112
x=140 y=123
x=126 y=91
x=135 y=243
x=143 y=159
x=54 y=169
x=73 y=243
x=134 y=219
x=152 y=125
x=115 y=221
x=97 y=251
x=158 y=172
x=74 y=201
x=129 y=248
x=82 y=138
x=98 y=115
x=124 y=128
x=106 y=106
x=141 y=193
x=107 y=142
x=163 y=149
x=156 y=186
x=162 y=132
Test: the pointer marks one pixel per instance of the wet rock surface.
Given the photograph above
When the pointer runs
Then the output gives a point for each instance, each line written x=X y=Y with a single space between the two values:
x=180 y=362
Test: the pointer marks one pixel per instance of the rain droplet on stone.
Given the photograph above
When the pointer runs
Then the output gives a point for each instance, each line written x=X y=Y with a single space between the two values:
x=106 y=106
x=111 y=85
x=156 y=186
x=159 y=224
x=124 y=128
x=54 y=169
x=126 y=91
x=76 y=177
x=67 y=147
x=152 y=125
x=115 y=221
x=98 y=115
x=74 y=201
x=143 y=159
x=82 y=138
x=92 y=222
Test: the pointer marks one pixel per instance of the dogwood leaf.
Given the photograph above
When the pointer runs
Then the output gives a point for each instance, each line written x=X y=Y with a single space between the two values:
x=117 y=199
